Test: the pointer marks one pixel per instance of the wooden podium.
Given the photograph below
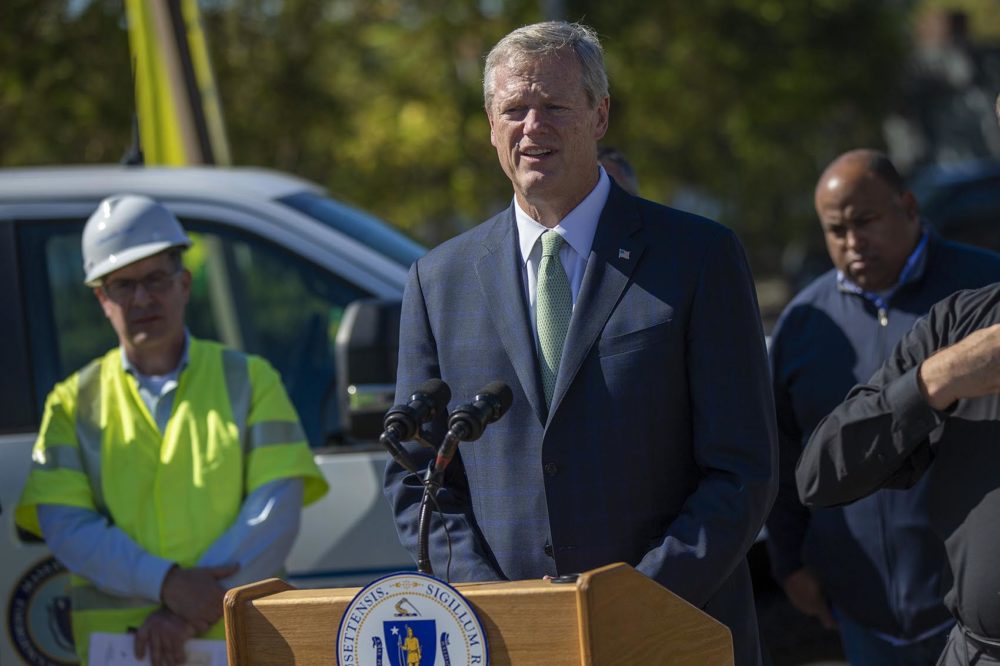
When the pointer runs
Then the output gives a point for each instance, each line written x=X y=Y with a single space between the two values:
x=611 y=615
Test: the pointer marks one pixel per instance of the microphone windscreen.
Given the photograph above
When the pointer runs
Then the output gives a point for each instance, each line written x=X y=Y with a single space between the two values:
x=499 y=392
x=438 y=392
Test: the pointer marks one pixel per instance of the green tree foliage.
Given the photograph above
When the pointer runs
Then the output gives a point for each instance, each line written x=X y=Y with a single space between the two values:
x=65 y=82
x=739 y=101
x=747 y=100
x=379 y=100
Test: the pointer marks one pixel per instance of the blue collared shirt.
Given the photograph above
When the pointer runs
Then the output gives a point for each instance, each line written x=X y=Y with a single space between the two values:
x=157 y=391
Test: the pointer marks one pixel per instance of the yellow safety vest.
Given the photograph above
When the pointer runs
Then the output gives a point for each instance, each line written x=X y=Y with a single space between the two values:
x=232 y=429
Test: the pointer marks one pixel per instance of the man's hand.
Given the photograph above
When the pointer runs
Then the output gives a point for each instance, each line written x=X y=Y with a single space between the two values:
x=164 y=635
x=806 y=594
x=969 y=368
x=195 y=594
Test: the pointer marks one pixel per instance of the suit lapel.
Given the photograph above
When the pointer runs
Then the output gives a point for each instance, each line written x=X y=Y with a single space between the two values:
x=617 y=248
x=499 y=270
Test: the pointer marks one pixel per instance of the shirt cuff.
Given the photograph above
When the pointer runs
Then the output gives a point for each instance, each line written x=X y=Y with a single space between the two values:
x=913 y=418
x=150 y=572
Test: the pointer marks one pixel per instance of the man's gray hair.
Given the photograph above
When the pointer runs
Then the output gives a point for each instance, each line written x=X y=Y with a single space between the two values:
x=536 y=41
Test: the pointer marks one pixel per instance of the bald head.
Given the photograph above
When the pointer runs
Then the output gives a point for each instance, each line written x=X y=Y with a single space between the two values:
x=865 y=161
x=870 y=220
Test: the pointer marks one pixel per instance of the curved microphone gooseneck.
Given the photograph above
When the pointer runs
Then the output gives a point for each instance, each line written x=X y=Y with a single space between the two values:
x=465 y=424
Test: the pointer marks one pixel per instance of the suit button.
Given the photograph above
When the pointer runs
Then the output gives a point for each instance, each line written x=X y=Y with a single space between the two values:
x=551 y=469
x=548 y=549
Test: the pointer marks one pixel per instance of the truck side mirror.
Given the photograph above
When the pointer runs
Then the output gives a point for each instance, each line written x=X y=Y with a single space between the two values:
x=366 y=351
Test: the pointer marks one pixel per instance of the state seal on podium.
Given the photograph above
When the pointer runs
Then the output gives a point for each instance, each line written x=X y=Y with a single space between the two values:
x=410 y=619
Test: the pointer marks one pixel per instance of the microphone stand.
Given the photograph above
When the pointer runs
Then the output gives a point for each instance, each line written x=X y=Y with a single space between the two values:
x=424 y=522
x=433 y=481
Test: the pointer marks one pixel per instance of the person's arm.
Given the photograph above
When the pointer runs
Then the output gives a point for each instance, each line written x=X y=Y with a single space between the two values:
x=968 y=369
x=470 y=560
x=732 y=429
x=788 y=520
x=262 y=535
x=880 y=437
x=86 y=544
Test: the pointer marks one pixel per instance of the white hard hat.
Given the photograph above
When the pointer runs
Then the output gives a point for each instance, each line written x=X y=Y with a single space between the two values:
x=124 y=229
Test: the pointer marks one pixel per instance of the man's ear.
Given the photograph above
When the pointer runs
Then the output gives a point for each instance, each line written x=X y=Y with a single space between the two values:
x=603 y=118
x=103 y=299
x=493 y=136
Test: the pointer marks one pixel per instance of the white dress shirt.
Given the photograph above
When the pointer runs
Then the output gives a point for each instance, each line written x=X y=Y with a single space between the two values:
x=577 y=229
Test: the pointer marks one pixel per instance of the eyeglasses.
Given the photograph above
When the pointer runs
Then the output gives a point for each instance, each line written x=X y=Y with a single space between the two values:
x=122 y=291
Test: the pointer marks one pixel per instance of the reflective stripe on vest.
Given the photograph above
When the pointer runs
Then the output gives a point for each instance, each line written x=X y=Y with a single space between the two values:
x=88 y=430
x=60 y=456
x=237 y=377
x=267 y=433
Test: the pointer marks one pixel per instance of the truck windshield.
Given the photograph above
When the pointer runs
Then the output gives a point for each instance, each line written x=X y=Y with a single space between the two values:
x=360 y=226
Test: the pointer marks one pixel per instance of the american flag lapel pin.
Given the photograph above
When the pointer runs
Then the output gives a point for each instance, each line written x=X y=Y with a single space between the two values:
x=623 y=254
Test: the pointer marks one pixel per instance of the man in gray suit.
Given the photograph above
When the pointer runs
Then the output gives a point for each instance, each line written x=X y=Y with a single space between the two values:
x=642 y=425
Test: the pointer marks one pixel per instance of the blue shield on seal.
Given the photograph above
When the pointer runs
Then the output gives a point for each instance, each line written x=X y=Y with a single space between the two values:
x=410 y=642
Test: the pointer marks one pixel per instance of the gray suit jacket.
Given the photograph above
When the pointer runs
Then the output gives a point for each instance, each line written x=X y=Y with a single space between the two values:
x=659 y=449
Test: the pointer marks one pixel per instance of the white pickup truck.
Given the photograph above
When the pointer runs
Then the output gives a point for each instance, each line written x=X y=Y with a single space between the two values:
x=277 y=264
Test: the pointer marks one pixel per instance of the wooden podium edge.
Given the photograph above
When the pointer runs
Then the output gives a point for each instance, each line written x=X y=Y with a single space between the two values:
x=235 y=599
x=622 y=576
x=583 y=588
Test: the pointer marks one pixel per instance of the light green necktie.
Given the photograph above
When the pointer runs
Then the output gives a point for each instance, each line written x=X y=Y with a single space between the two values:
x=553 y=309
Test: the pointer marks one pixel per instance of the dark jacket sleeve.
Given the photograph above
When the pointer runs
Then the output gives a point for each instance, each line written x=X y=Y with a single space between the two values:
x=789 y=519
x=733 y=432
x=879 y=437
x=467 y=558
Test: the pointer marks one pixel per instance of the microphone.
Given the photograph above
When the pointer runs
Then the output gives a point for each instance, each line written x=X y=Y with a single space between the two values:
x=402 y=422
x=468 y=422
x=405 y=420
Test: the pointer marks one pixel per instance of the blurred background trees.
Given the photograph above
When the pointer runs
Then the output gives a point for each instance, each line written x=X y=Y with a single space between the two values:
x=726 y=107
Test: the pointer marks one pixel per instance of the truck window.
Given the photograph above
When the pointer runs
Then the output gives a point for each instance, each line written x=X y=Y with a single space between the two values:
x=369 y=231
x=246 y=292
x=66 y=327
x=268 y=301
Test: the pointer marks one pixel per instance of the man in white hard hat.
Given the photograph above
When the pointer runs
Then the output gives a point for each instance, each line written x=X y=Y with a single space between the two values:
x=169 y=469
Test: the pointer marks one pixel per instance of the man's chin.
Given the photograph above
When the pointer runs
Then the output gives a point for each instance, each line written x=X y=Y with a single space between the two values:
x=145 y=338
x=535 y=184
x=869 y=282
